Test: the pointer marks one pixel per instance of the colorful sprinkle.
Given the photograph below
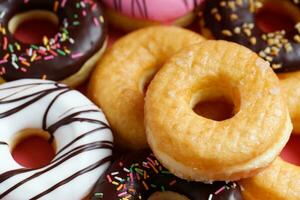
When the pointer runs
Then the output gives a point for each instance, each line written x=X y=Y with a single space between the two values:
x=58 y=45
x=220 y=190
x=77 y=55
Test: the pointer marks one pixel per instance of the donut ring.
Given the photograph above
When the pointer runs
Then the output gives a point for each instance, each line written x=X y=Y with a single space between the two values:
x=280 y=181
x=189 y=145
x=67 y=119
x=120 y=79
x=219 y=21
x=69 y=56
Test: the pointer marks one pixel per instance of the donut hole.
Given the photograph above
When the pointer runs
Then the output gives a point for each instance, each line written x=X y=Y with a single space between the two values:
x=291 y=152
x=31 y=27
x=31 y=148
x=216 y=103
x=276 y=15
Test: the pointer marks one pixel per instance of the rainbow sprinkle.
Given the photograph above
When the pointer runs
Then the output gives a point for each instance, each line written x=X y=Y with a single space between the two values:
x=148 y=176
x=58 y=45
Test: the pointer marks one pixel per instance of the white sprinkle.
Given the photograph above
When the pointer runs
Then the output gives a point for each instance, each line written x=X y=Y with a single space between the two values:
x=15 y=65
x=119 y=179
x=66 y=24
x=126 y=170
x=210 y=197
x=82 y=4
x=71 y=40
x=114 y=173
x=30 y=52
x=2 y=14
x=42 y=48
x=52 y=41
x=13 y=57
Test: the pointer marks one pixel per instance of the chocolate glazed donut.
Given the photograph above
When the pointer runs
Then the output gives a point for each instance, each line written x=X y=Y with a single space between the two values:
x=235 y=20
x=81 y=34
x=139 y=175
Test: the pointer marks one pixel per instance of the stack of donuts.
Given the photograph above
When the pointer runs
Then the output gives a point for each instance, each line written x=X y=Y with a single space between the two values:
x=193 y=100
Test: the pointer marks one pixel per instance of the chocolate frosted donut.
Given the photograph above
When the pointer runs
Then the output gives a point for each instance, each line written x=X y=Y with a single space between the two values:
x=140 y=176
x=81 y=35
x=236 y=21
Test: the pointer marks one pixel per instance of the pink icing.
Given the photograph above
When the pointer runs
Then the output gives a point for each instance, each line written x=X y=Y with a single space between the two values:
x=157 y=10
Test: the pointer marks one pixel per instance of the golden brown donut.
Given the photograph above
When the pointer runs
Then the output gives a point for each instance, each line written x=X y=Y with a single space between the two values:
x=289 y=81
x=280 y=181
x=120 y=79
x=196 y=148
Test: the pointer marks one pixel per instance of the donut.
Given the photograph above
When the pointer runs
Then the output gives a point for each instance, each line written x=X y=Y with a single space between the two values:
x=235 y=21
x=134 y=14
x=119 y=81
x=197 y=148
x=280 y=181
x=70 y=122
x=68 y=56
x=139 y=175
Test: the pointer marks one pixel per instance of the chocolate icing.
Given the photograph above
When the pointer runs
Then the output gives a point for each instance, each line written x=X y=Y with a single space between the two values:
x=82 y=33
x=138 y=165
x=62 y=155
x=235 y=21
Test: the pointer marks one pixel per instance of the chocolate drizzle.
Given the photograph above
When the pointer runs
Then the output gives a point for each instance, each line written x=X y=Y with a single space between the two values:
x=137 y=175
x=86 y=170
x=82 y=33
x=66 y=152
x=235 y=21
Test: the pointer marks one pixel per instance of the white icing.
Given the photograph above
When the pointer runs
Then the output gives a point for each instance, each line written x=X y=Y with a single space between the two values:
x=32 y=117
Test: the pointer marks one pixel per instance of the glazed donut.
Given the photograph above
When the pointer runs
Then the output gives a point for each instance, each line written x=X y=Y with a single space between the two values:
x=235 y=21
x=280 y=181
x=139 y=175
x=134 y=14
x=118 y=83
x=196 y=148
x=76 y=127
x=69 y=56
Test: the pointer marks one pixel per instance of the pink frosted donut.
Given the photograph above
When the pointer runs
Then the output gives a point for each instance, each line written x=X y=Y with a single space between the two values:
x=162 y=11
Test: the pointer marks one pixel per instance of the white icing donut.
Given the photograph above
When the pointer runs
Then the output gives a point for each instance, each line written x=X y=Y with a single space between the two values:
x=82 y=135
